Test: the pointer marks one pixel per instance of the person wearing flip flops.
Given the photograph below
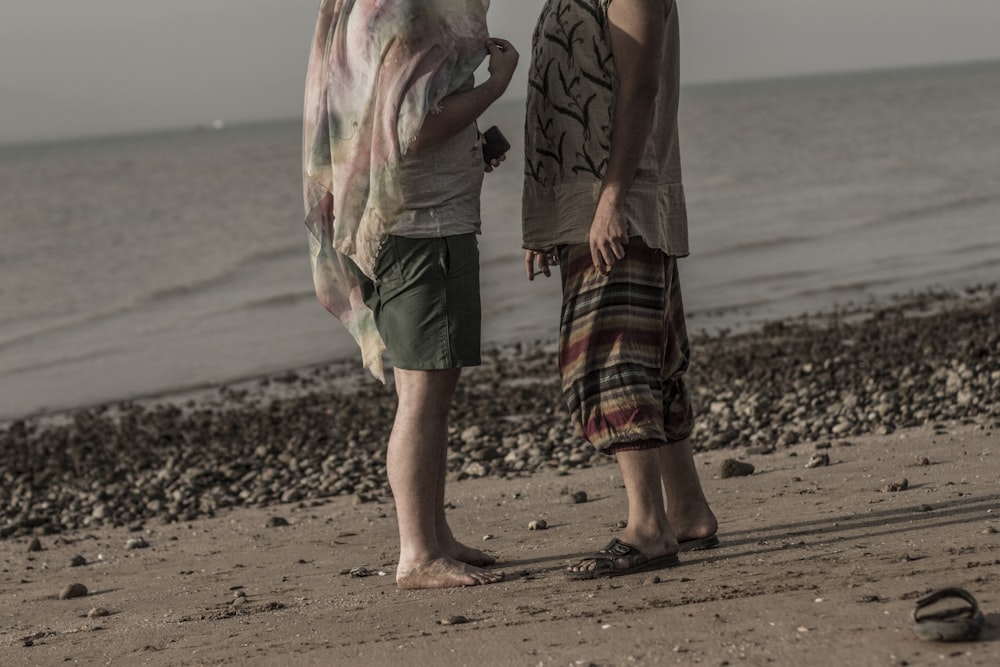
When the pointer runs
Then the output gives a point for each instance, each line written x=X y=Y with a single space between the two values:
x=603 y=200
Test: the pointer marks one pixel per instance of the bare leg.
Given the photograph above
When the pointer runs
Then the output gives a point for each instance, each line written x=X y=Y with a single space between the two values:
x=687 y=508
x=446 y=539
x=648 y=529
x=416 y=472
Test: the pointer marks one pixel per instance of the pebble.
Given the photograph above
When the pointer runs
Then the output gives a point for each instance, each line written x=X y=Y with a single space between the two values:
x=362 y=571
x=824 y=378
x=73 y=591
x=35 y=545
x=577 y=497
x=136 y=543
x=77 y=561
x=98 y=612
x=276 y=522
x=895 y=487
x=538 y=524
x=733 y=468
x=818 y=459
x=457 y=619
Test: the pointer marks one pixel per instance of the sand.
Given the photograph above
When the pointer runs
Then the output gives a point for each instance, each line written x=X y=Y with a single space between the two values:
x=818 y=566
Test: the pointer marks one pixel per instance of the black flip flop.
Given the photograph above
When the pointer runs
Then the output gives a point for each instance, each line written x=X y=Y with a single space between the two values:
x=616 y=550
x=699 y=543
x=955 y=624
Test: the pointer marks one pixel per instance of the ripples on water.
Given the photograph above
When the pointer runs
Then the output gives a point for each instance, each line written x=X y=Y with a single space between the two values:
x=136 y=265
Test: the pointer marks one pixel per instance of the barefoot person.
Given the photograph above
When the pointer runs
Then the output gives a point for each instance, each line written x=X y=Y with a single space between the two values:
x=393 y=173
x=603 y=199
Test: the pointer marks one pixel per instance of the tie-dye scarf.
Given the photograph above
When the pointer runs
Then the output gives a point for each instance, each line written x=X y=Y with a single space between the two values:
x=376 y=69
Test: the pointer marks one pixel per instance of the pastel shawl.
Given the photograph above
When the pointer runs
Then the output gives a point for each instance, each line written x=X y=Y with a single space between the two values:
x=376 y=69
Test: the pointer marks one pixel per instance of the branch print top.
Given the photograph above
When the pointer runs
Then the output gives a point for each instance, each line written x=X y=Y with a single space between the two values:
x=570 y=108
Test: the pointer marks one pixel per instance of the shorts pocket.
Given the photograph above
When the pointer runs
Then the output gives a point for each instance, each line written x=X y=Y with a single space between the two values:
x=388 y=268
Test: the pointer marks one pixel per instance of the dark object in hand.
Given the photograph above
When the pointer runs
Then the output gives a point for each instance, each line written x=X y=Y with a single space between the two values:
x=495 y=145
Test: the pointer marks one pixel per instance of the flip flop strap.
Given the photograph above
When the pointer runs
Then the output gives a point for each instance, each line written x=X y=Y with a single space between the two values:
x=930 y=599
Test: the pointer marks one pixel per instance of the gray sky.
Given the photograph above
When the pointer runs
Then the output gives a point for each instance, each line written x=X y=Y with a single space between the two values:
x=75 y=67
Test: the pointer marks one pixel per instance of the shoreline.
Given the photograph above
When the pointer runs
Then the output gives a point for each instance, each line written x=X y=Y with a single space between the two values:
x=347 y=371
x=321 y=433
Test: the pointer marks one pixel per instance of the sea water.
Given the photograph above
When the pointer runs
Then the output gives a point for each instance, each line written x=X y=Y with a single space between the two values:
x=139 y=265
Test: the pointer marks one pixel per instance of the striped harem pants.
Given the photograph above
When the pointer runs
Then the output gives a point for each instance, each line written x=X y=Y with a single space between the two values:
x=623 y=349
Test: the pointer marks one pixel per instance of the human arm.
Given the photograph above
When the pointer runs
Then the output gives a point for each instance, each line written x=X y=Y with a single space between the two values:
x=637 y=33
x=460 y=110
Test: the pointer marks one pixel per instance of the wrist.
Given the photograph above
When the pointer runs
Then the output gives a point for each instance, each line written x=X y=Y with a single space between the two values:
x=611 y=197
x=495 y=86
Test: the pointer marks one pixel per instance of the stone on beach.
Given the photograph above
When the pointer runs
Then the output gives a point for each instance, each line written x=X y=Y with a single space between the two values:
x=733 y=468
x=73 y=591
x=136 y=543
x=924 y=359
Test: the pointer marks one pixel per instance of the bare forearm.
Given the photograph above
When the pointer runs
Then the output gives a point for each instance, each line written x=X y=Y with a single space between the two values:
x=637 y=32
x=630 y=130
x=457 y=112
x=460 y=110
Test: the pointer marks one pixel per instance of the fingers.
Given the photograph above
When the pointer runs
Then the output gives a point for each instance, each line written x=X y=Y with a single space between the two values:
x=605 y=253
x=503 y=59
x=539 y=262
x=493 y=164
x=543 y=263
x=597 y=257
x=500 y=44
x=605 y=256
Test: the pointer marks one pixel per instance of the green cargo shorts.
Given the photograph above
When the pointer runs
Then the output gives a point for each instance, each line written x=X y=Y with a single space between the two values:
x=425 y=298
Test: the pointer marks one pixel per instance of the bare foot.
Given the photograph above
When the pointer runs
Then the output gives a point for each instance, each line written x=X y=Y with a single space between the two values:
x=466 y=554
x=695 y=523
x=443 y=573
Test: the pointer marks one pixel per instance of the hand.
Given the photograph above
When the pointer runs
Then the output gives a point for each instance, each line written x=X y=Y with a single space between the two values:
x=493 y=164
x=542 y=260
x=503 y=61
x=608 y=236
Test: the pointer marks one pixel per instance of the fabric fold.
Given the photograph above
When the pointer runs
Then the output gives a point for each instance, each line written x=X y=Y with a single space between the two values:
x=377 y=68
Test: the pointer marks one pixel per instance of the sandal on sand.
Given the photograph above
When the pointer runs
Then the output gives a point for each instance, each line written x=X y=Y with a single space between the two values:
x=619 y=558
x=955 y=624
x=699 y=543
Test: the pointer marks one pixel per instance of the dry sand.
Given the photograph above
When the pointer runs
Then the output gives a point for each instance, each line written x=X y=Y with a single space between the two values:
x=818 y=566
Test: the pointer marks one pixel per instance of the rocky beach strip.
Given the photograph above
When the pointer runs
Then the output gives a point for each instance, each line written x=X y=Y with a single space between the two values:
x=321 y=432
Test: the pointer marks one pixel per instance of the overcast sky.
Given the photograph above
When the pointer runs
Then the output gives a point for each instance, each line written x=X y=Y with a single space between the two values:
x=75 y=67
